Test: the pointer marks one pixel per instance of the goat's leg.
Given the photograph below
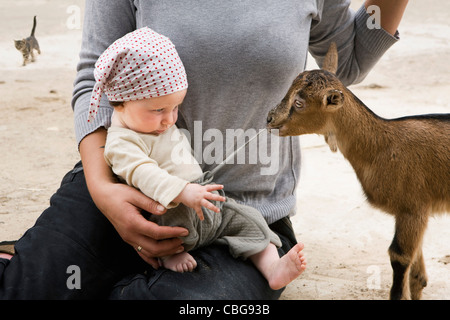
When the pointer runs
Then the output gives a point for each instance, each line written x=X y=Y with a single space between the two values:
x=417 y=276
x=409 y=230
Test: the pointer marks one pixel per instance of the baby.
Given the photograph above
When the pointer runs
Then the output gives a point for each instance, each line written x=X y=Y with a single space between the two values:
x=145 y=81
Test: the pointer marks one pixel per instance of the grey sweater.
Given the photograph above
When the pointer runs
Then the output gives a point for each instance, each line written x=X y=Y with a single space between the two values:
x=240 y=58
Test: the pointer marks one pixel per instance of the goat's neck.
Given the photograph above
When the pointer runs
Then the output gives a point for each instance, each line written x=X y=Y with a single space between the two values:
x=359 y=132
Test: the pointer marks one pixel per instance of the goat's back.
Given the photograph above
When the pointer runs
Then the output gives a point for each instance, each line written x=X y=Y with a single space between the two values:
x=414 y=165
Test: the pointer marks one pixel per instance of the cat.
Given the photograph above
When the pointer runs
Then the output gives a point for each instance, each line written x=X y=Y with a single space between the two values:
x=26 y=46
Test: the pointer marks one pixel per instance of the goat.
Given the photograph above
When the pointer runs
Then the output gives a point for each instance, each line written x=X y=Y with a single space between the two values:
x=402 y=164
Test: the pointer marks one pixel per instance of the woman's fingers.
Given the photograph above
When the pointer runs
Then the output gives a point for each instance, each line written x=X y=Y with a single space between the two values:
x=140 y=200
x=149 y=250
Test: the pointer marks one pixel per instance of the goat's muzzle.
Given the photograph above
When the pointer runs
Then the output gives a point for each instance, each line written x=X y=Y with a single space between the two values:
x=271 y=117
x=276 y=117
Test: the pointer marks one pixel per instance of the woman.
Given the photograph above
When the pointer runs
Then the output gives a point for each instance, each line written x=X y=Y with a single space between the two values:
x=241 y=58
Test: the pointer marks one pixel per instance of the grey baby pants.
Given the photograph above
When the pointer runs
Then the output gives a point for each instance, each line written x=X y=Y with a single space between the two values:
x=241 y=227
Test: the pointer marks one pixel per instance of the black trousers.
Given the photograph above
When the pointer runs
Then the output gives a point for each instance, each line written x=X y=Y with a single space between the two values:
x=73 y=252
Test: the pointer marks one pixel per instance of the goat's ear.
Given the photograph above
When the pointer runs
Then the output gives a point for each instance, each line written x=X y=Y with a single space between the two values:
x=333 y=100
x=330 y=63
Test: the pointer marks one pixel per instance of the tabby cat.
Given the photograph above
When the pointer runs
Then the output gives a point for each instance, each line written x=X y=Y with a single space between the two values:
x=26 y=46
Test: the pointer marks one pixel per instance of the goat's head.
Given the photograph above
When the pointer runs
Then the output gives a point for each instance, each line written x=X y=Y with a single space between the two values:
x=311 y=99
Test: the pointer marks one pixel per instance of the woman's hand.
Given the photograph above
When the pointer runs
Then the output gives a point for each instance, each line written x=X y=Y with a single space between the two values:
x=122 y=205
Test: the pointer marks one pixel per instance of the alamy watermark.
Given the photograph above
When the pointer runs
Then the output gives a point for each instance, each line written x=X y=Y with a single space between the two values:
x=74 y=19
x=374 y=21
x=215 y=147
x=74 y=280
x=374 y=278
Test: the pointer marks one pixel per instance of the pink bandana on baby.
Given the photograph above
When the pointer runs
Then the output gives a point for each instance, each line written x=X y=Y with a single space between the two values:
x=142 y=64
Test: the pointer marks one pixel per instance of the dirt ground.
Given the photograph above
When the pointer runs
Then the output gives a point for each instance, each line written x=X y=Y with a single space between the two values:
x=345 y=239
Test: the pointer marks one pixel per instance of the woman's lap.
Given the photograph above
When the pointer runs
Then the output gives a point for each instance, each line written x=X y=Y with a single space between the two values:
x=74 y=252
x=70 y=233
x=218 y=276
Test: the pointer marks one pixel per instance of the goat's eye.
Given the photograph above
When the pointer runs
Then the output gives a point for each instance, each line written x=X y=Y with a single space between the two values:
x=298 y=103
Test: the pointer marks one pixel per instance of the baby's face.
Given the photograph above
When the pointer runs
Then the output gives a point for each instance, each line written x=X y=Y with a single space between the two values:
x=152 y=115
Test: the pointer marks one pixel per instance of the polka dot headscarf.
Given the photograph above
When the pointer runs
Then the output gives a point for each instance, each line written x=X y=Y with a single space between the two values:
x=142 y=64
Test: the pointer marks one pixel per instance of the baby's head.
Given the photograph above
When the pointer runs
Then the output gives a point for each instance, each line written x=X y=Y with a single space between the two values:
x=141 y=69
x=151 y=115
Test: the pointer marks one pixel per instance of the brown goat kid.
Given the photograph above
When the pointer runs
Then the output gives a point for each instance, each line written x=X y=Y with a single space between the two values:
x=402 y=164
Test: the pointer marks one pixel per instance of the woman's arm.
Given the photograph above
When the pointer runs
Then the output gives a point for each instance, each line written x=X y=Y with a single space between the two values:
x=122 y=204
x=104 y=22
x=391 y=13
x=359 y=46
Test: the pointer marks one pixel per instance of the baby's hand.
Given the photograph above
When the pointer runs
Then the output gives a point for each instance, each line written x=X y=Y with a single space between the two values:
x=196 y=196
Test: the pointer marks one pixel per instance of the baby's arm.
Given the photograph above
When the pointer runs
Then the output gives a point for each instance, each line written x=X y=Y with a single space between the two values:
x=128 y=155
x=196 y=196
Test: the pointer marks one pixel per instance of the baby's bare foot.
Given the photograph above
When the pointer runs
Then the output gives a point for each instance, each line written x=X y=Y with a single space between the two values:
x=181 y=262
x=288 y=268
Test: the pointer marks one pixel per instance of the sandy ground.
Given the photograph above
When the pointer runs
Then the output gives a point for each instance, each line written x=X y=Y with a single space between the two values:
x=346 y=240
